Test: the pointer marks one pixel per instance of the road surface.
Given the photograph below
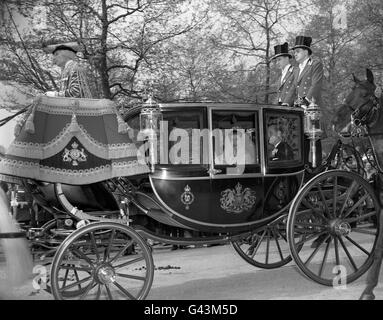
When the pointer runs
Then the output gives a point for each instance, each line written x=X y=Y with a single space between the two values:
x=218 y=272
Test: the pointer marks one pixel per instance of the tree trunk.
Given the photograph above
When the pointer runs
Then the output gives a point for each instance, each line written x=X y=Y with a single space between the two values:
x=103 y=54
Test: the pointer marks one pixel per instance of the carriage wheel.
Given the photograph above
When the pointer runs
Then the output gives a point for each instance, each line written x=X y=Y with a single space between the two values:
x=332 y=229
x=102 y=260
x=267 y=247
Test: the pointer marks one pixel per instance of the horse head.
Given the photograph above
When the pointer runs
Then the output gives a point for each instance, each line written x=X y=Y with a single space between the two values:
x=361 y=104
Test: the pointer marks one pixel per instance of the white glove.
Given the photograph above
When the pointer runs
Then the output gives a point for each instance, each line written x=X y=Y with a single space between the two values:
x=14 y=203
x=131 y=133
x=51 y=93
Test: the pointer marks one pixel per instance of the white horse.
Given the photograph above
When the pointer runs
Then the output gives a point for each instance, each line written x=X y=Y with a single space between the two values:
x=19 y=264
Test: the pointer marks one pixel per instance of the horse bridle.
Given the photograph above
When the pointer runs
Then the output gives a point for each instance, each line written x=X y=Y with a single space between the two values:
x=370 y=114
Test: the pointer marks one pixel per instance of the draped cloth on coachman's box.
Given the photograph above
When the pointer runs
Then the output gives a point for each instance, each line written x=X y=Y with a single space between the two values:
x=72 y=141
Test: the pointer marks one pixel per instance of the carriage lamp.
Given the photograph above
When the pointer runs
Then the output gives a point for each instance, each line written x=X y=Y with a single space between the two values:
x=313 y=128
x=150 y=120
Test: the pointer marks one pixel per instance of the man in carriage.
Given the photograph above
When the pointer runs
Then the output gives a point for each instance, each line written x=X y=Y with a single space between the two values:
x=281 y=149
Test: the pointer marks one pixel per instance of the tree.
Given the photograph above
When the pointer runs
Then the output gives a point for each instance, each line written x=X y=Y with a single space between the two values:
x=368 y=17
x=119 y=38
x=190 y=68
x=250 y=29
x=335 y=43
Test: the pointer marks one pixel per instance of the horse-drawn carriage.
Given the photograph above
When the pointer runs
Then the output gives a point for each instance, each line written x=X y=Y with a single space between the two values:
x=212 y=171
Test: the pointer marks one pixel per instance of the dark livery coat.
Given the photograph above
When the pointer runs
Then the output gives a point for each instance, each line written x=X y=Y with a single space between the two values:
x=282 y=152
x=309 y=82
x=286 y=89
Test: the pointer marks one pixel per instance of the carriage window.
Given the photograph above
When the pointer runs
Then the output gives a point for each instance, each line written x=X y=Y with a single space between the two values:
x=187 y=136
x=235 y=140
x=283 y=135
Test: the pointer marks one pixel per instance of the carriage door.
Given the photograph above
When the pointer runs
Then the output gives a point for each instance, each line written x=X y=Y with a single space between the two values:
x=235 y=164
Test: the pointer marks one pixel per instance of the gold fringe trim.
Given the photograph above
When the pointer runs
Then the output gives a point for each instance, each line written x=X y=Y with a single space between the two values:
x=76 y=177
x=47 y=150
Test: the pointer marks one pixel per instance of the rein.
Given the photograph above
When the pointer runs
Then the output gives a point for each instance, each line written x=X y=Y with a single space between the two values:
x=9 y=118
x=369 y=114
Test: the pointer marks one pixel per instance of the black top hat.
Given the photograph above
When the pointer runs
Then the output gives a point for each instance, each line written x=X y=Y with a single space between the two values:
x=303 y=42
x=63 y=47
x=70 y=46
x=282 y=50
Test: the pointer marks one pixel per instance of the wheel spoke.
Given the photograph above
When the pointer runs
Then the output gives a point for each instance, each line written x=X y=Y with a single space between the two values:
x=98 y=295
x=258 y=244
x=361 y=217
x=107 y=251
x=267 y=245
x=90 y=287
x=121 y=252
x=348 y=254
x=123 y=290
x=309 y=224
x=357 y=245
x=336 y=251
x=129 y=276
x=309 y=238
x=348 y=194
x=278 y=246
x=129 y=262
x=314 y=210
x=323 y=200
x=77 y=278
x=66 y=276
x=357 y=204
x=79 y=254
x=308 y=231
x=73 y=267
x=324 y=259
x=110 y=297
x=335 y=196
x=284 y=236
x=75 y=284
x=316 y=250
x=94 y=245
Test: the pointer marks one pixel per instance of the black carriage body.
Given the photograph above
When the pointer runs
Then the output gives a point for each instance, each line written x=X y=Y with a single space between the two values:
x=203 y=193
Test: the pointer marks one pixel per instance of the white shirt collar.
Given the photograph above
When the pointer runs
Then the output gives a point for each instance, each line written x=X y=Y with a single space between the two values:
x=284 y=72
x=303 y=64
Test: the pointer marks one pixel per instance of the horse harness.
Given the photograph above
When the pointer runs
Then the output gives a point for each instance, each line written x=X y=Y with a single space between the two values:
x=369 y=117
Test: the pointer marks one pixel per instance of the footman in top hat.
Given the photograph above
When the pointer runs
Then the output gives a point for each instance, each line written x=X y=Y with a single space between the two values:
x=309 y=73
x=308 y=80
x=286 y=83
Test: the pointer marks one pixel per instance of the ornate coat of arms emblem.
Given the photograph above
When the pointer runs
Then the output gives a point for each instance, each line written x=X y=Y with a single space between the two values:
x=238 y=199
x=187 y=197
x=74 y=155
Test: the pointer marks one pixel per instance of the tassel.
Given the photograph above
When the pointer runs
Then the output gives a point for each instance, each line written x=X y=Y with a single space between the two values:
x=17 y=129
x=29 y=125
x=123 y=127
x=73 y=128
